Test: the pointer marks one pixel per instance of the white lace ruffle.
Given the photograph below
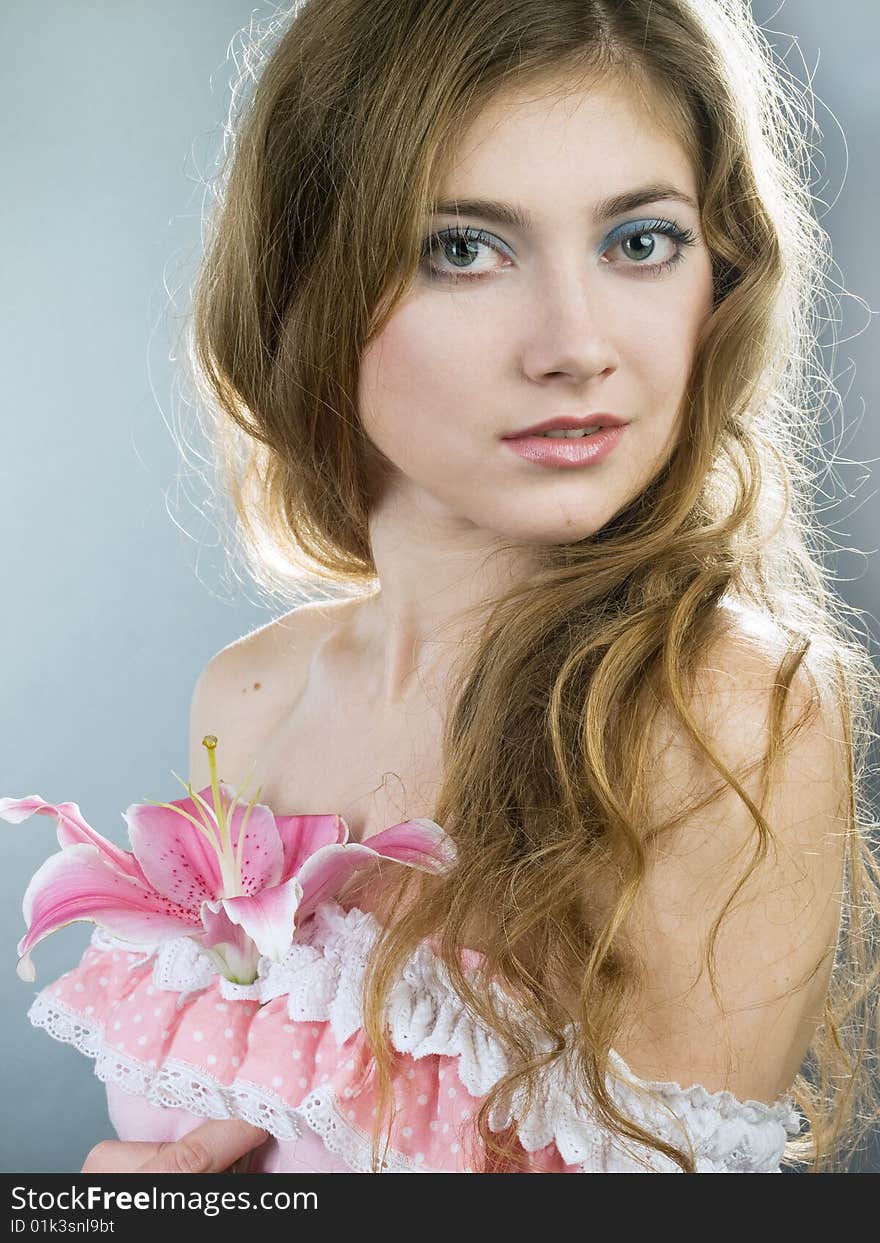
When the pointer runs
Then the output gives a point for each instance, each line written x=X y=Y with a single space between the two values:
x=322 y=979
x=180 y=1085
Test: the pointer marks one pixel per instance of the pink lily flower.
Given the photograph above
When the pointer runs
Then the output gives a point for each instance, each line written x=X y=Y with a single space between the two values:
x=239 y=881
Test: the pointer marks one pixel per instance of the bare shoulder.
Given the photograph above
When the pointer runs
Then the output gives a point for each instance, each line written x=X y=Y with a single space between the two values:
x=775 y=947
x=804 y=793
x=744 y=654
x=748 y=662
x=248 y=685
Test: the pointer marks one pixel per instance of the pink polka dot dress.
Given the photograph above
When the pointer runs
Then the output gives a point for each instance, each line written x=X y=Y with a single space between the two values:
x=175 y=1043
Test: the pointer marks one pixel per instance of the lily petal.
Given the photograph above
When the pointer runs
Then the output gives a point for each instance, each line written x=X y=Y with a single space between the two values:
x=176 y=857
x=72 y=828
x=262 y=852
x=268 y=916
x=228 y=946
x=181 y=862
x=301 y=836
x=77 y=883
x=420 y=843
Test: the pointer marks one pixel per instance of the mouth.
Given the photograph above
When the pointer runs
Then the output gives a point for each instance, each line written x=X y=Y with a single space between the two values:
x=580 y=449
x=565 y=426
x=559 y=433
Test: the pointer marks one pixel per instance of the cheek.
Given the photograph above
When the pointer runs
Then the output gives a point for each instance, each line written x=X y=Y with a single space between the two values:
x=665 y=347
x=422 y=366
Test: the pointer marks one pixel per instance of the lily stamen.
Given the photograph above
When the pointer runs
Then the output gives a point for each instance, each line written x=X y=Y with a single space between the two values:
x=186 y=815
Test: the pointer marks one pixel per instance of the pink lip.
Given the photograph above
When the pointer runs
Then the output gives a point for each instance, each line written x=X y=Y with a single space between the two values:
x=564 y=452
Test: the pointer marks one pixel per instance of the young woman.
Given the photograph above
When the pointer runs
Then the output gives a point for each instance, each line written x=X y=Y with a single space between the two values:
x=605 y=661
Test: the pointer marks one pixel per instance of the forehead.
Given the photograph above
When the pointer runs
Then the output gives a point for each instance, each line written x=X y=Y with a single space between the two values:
x=584 y=140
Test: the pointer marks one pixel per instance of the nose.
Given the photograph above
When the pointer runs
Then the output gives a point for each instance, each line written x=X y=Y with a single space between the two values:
x=570 y=333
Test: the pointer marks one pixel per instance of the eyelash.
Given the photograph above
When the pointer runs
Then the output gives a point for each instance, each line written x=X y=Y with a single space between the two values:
x=668 y=228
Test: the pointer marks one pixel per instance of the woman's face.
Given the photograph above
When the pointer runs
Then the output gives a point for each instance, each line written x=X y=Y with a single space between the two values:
x=571 y=315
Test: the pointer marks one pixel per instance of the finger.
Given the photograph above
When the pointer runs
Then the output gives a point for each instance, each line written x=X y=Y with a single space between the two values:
x=116 y=1156
x=209 y=1149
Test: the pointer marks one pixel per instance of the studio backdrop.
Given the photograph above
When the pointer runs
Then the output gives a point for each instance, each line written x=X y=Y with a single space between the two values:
x=117 y=586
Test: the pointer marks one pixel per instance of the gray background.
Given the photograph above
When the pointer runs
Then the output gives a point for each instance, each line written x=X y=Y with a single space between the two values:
x=117 y=589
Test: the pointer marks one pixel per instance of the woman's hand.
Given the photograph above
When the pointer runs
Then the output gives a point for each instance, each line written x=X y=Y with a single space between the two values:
x=209 y=1149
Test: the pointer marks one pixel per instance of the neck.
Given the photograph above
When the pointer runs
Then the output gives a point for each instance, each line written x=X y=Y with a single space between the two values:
x=438 y=575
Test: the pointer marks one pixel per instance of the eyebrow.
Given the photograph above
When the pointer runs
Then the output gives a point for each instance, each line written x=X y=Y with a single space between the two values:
x=518 y=217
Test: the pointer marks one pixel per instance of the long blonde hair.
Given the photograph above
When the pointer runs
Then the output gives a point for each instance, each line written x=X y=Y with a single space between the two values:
x=345 y=109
